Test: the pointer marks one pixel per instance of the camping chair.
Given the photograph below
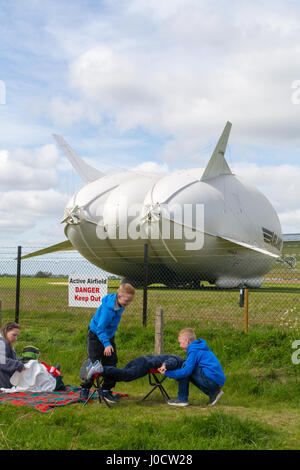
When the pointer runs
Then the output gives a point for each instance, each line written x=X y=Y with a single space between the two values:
x=156 y=384
x=97 y=385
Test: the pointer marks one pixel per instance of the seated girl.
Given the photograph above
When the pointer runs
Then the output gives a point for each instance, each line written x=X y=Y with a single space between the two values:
x=9 y=362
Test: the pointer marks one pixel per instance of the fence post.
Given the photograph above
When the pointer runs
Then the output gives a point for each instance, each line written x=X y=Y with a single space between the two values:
x=159 y=331
x=0 y=313
x=17 y=309
x=246 y=311
x=145 y=284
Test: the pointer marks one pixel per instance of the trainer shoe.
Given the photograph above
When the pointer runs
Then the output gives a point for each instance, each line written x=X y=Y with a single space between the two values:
x=177 y=402
x=107 y=394
x=216 y=397
x=86 y=367
x=95 y=368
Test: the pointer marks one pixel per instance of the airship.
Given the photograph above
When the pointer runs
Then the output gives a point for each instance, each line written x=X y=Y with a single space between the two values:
x=199 y=226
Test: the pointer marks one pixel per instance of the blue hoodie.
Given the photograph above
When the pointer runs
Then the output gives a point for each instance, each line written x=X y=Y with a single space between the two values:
x=199 y=355
x=106 y=319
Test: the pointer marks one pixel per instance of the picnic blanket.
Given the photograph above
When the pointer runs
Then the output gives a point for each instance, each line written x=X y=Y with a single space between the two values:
x=45 y=401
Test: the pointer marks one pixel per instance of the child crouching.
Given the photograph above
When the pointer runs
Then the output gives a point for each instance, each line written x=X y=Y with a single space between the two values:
x=201 y=367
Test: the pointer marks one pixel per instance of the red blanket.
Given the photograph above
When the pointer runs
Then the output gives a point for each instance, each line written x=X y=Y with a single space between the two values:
x=45 y=401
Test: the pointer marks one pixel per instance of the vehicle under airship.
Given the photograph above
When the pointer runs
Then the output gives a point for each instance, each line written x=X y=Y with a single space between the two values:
x=199 y=225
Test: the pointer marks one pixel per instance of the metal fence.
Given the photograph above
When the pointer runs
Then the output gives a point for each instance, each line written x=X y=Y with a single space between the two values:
x=40 y=293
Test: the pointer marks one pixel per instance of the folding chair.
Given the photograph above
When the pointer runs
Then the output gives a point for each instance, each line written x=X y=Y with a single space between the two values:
x=156 y=384
x=97 y=385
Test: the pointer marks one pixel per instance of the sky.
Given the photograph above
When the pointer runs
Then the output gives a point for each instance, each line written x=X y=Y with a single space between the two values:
x=149 y=85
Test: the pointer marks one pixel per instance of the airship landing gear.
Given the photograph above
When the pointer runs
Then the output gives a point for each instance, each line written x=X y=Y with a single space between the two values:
x=192 y=285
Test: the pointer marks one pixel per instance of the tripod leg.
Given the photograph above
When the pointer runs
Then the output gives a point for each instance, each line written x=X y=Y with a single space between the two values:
x=89 y=397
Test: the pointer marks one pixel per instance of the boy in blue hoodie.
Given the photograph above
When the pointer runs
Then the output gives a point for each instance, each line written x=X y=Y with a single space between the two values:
x=201 y=367
x=101 y=336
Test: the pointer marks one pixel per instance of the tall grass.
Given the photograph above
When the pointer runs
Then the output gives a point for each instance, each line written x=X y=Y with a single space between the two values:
x=259 y=410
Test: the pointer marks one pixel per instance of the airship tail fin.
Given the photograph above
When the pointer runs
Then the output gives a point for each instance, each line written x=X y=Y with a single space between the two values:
x=217 y=164
x=63 y=246
x=85 y=171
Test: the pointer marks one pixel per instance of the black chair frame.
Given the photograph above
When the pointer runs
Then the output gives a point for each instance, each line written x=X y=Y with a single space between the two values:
x=156 y=383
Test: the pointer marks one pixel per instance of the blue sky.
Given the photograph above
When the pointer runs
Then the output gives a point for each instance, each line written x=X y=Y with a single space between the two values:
x=144 y=84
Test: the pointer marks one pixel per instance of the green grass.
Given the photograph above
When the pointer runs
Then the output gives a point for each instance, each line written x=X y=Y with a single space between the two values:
x=134 y=429
x=259 y=410
x=271 y=305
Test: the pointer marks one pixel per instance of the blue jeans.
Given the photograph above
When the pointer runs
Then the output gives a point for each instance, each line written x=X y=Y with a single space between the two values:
x=198 y=378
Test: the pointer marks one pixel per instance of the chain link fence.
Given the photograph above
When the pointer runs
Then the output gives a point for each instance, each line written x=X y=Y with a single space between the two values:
x=185 y=301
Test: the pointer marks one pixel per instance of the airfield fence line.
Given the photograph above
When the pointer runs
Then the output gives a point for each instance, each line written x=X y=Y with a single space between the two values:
x=41 y=292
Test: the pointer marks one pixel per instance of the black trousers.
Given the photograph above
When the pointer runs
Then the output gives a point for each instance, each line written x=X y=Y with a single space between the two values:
x=95 y=353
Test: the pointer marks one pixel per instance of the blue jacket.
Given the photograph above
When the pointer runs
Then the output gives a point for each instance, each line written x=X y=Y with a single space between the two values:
x=9 y=363
x=199 y=355
x=106 y=319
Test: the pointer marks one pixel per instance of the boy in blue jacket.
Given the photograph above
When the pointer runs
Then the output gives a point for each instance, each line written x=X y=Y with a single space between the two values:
x=201 y=367
x=101 y=336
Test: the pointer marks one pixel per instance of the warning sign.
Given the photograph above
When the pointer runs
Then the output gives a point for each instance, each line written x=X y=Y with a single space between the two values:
x=86 y=291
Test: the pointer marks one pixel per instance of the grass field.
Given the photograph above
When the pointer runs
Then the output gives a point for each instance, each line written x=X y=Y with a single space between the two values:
x=260 y=408
x=275 y=304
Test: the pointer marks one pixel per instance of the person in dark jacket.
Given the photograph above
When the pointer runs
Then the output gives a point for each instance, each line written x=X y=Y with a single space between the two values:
x=201 y=367
x=9 y=362
x=138 y=367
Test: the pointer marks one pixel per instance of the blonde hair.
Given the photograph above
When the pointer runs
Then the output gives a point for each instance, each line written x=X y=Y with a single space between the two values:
x=188 y=333
x=126 y=289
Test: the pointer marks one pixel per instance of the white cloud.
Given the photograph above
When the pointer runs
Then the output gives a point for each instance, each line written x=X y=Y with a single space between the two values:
x=153 y=167
x=44 y=158
x=66 y=113
x=27 y=189
x=114 y=80
x=290 y=221
x=24 y=169
x=192 y=68
x=22 y=210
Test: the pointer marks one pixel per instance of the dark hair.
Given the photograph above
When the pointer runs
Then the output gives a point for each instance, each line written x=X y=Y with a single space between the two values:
x=11 y=325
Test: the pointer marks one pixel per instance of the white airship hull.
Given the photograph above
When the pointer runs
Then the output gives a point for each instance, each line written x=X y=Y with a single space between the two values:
x=199 y=226
x=234 y=216
x=238 y=265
